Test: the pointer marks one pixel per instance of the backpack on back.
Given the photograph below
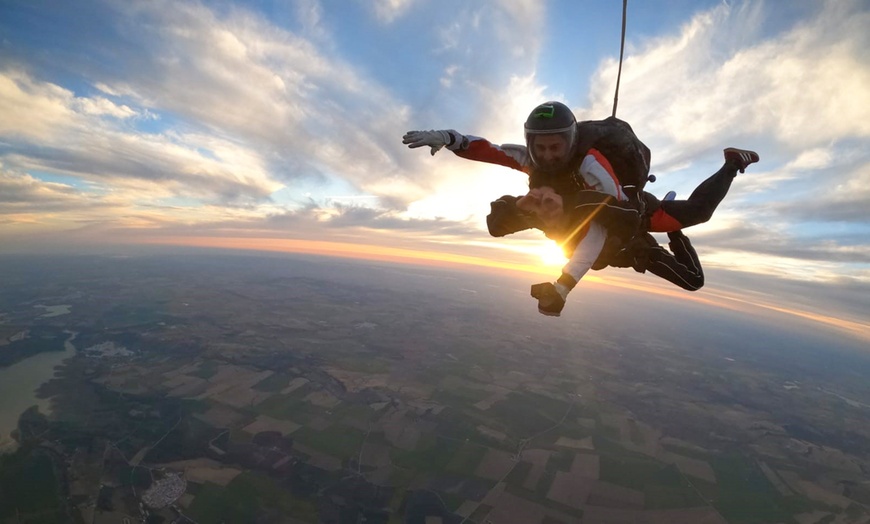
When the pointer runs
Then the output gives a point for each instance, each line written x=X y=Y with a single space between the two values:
x=615 y=139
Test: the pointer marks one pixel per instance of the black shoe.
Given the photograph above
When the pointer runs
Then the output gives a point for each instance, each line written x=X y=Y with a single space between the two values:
x=550 y=302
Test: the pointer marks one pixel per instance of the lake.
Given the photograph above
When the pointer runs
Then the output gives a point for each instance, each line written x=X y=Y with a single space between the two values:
x=18 y=385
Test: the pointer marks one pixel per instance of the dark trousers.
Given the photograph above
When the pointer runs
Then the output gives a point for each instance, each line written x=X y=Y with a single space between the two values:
x=701 y=204
x=680 y=266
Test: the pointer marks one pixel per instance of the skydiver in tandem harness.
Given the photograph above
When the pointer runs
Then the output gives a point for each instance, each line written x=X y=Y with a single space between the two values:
x=586 y=192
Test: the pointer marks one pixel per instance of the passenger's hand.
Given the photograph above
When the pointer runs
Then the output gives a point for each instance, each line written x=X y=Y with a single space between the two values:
x=432 y=139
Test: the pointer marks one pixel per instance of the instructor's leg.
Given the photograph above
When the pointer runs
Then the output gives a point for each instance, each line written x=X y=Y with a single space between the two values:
x=681 y=268
x=685 y=254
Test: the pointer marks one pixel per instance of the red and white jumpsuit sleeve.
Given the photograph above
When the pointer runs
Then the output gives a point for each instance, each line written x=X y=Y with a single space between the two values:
x=514 y=156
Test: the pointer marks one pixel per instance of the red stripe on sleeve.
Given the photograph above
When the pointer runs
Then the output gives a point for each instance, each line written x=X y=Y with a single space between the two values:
x=606 y=165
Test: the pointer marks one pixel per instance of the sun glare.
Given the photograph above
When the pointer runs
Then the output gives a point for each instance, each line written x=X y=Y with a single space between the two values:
x=551 y=254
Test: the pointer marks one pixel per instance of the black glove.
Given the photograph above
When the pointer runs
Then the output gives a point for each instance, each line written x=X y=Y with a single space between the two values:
x=550 y=302
x=505 y=218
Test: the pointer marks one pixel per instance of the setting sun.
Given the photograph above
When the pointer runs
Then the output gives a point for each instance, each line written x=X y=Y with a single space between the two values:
x=551 y=254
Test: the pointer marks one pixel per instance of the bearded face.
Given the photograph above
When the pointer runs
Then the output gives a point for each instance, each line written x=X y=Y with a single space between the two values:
x=549 y=152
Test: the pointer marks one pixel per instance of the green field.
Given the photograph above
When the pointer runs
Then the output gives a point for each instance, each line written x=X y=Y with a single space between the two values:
x=528 y=414
x=460 y=425
x=289 y=407
x=347 y=412
x=466 y=459
x=480 y=513
x=206 y=370
x=124 y=315
x=363 y=364
x=744 y=495
x=273 y=383
x=518 y=475
x=248 y=498
x=560 y=460
x=539 y=496
x=432 y=455
x=637 y=473
x=339 y=441
x=657 y=496
x=28 y=486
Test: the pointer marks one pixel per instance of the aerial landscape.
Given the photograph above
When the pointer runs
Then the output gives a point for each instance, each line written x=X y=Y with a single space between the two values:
x=215 y=387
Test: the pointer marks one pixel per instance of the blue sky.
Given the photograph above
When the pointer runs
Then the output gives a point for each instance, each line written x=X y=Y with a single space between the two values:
x=283 y=119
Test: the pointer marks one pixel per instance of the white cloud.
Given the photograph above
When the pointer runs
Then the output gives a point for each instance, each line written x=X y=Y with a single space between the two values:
x=260 y=88
x=33 y=110
x=310 y=15
x=785 y=267
x=102 y=107
x=22 y=192
x=719 y=79
x=816 y=158
x=309 y=112
x=525 y=16
x=80 y=137
x=387 y=11
x=447 y=77
x=48 y=211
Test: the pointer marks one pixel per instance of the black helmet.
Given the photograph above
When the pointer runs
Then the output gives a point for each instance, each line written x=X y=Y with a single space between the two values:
x=551 y=118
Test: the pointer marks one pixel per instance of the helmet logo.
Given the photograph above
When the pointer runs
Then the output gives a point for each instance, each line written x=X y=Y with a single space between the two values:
x=544 y=112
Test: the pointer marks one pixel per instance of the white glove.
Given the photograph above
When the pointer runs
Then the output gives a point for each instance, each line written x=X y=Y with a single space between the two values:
x=433 y=139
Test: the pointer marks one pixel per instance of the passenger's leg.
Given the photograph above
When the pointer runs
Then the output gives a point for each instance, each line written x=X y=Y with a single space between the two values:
x=702 y=203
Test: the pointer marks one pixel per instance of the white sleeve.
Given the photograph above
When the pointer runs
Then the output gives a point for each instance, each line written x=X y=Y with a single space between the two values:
x=587 y=252
x=599 y=178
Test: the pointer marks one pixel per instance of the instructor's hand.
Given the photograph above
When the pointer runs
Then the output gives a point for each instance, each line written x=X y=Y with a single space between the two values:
x=433 y=139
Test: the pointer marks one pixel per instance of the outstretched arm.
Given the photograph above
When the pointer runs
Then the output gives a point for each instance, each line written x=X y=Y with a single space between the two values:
x=480 y=149
x=470 y=147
